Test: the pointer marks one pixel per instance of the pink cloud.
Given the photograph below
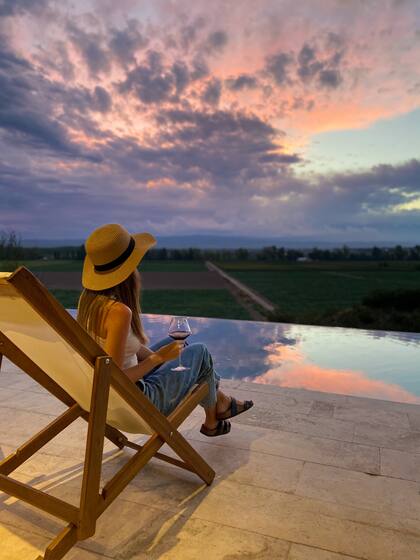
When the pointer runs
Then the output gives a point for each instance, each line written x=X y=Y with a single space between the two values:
x=287 y=368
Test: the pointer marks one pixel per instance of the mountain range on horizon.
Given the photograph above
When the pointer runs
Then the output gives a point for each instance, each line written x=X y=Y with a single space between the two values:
x=201 y=241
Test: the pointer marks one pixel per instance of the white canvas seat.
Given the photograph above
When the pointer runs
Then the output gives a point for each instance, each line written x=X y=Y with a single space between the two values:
x=34 y=336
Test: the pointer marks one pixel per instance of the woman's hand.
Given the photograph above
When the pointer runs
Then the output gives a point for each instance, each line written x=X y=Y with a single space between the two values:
x=170 y=351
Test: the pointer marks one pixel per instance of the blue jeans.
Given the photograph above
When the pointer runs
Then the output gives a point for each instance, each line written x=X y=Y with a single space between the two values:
x=166 y=388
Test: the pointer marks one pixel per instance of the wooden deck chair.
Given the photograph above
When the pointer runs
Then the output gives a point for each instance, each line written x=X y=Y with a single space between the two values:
x=39 y=336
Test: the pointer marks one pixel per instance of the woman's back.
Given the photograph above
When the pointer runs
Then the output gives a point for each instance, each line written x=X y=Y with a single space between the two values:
x=132 y=345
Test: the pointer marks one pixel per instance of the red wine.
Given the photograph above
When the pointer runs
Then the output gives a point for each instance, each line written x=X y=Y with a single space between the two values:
x=179 y=335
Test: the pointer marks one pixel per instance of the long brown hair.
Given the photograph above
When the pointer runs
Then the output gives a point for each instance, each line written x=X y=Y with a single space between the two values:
x=94 y=305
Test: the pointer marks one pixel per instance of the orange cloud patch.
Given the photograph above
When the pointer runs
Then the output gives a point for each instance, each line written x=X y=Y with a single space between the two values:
x=288 y=369
x=163 y=182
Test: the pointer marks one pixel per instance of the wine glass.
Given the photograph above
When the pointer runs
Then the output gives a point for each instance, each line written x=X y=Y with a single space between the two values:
x=179 y=329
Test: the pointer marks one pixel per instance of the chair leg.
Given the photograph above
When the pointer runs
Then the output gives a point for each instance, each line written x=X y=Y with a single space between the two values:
x=62 y=543
x=94 y=448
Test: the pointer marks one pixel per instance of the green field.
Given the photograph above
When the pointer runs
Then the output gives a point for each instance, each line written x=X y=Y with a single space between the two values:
x=312 y=287
x=52 y=266
x=300 y=289
x=67 y=265
x=172 y=266
x=193 y=303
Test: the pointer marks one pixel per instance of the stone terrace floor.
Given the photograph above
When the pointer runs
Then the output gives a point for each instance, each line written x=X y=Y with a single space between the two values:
x=302 y=476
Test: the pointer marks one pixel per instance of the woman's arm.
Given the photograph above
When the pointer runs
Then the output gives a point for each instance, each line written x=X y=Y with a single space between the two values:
x=142 y=368
x=163 y=354
x=144 y=353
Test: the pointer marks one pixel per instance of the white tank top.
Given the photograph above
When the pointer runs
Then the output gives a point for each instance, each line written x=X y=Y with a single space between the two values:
x=132 y=346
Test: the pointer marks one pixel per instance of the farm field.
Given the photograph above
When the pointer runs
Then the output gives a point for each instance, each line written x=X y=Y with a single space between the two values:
x=177 y=293
x=69 y=265
x=193 y=303
x=312 y=287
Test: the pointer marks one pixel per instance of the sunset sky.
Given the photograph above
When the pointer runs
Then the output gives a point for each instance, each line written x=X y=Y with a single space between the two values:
x=266 y=118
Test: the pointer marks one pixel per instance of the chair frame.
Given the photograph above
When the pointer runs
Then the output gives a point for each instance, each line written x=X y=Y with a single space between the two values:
x=106 y=374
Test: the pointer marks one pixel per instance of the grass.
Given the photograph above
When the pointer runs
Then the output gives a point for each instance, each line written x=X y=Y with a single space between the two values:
x=301 y=289
x=67 y=298
x=389 y=310
x=344 y=266
x=172 y=266
x=67 y=265
x=37 y=265
x=193 y=303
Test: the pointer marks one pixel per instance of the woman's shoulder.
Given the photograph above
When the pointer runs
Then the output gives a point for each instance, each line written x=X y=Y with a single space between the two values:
x=118 y=313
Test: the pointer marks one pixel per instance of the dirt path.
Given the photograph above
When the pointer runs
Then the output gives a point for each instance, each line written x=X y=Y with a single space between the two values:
x=249 y=297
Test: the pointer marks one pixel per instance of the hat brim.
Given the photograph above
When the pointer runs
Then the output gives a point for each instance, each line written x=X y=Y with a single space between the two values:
x=94 y=280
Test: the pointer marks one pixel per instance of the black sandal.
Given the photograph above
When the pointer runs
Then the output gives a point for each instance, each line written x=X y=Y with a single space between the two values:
x=223 y=427
x=233 y=409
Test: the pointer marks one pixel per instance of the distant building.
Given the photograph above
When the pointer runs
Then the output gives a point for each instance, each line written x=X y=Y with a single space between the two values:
x=303 y=259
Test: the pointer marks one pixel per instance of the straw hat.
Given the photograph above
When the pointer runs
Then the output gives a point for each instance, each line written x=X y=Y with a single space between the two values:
x=112 y=254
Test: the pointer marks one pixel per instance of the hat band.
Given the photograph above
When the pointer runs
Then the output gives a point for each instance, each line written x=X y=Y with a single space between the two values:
x=119 y=260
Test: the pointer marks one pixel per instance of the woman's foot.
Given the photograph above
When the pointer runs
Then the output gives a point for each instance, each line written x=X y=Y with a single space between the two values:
x=233 y=409
x=220 y=428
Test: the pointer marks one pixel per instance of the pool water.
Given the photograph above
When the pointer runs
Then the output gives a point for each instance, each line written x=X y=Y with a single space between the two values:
x=376 y=364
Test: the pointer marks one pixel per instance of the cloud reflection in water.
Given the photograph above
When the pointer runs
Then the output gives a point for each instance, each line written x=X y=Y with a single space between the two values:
x=377 y=364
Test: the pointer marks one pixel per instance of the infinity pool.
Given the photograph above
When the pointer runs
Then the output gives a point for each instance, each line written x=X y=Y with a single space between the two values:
x=378 y=364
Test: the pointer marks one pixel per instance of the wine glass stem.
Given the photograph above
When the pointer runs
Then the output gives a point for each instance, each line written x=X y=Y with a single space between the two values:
x=180 y=357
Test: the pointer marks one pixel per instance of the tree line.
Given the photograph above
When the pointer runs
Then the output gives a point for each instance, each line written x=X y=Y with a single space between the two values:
x=11 y=249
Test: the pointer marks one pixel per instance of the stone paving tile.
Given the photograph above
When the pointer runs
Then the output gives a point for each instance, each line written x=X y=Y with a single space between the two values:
x=252 y=467
x=372 y=413
x=378 y=493
x=42 y=465
x=400 y=464
x=70 y=443
x=15 y=513
x=211 y=541
x=17 y=424
x=380 y=404
x=7 y=365
x=301 y=552
x=300 y=423
x=125 y=527
x=351 y=531
x=9 y=378
x=22 y=545
x=229 y=384
x=414 y=419
x=190 y=497
x=30 y=401
x=299 y=394
x=167 y=487
x=303 y=521
x=267 y=401
x=304 y=511
x=9 y=395
x=322 y=408
x=20 y=382
x=387 y=436
x=122 y=525
x=364 y=458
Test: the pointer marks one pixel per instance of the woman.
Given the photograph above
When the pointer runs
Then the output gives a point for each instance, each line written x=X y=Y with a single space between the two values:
x=109 y=310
